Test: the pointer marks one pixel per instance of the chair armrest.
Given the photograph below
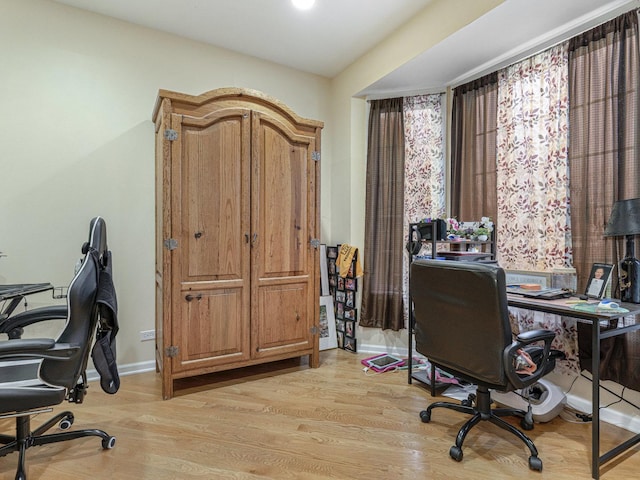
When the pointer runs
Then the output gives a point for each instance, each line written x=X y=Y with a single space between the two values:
x=522 y=340
x=36 y=348
x=25 y=347
x=14 y=325
x=533 y=336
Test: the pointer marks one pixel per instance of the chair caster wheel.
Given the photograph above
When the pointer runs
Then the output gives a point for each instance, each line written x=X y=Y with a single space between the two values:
x=468 y=402
x=527 y=422
x=455 y=452
x=425 y=416
x=535 y=464
x=66 y=423
x=108 y=443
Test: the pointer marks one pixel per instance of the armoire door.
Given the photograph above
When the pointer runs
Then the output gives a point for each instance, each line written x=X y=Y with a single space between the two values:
x=283 y=220
x=211 y=223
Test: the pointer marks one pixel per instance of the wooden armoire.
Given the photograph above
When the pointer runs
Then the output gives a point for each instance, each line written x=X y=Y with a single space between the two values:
x=237 y=228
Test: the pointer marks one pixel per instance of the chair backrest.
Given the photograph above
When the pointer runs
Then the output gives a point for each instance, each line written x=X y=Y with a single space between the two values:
x=82 y=311
x=461 y=318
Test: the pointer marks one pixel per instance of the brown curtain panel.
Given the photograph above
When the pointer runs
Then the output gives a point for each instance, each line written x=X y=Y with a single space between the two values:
x=382 y=304
x=604 y=156
x=473 y=149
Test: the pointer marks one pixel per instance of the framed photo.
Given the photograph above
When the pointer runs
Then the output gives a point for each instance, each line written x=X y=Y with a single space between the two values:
x=350 y=284
x=340 y=325
x=350 y=344
x=341 y=296
x=350 y=313
x=599 y=278
x=328 y=338
x=340 y=339
x=350 y=328
x=350 y=299
x=332 y=252
x=339 y=310
x=332 y=266
x=340 y=283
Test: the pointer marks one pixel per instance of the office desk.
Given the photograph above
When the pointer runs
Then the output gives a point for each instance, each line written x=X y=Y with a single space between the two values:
x=625 y=325
x=16 y=292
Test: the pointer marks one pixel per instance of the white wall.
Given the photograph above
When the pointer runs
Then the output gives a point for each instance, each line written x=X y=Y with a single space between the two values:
x=77 y=91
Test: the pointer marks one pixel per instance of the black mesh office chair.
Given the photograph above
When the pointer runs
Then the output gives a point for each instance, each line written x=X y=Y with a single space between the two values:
x=462 y=326
x=36 y=374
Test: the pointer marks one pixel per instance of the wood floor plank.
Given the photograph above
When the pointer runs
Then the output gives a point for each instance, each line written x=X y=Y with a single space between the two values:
x=288 y=421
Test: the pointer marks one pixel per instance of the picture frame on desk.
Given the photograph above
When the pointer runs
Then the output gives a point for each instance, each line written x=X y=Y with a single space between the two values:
x=599 y=279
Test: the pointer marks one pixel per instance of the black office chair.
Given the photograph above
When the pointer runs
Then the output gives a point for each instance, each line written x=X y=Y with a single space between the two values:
x=462 y=326
x=36 y=374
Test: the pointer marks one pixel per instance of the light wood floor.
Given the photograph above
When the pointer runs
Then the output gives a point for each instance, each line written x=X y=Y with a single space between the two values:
x=288 y=421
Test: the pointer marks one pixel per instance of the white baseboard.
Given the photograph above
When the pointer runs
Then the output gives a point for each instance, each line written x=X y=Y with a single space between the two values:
x=609 y=415
x=375 y=349
x=124 y=370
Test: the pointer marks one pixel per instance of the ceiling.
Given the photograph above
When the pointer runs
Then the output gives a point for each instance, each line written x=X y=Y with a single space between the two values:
x=324 y=40
x=334 y=33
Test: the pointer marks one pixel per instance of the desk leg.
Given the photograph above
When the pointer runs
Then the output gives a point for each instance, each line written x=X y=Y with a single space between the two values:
x=595 y=400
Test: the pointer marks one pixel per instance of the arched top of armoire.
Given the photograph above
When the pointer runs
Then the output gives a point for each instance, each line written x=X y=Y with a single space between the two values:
x=228 y=97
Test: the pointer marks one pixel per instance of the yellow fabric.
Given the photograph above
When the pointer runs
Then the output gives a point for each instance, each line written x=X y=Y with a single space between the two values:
x=345 y=257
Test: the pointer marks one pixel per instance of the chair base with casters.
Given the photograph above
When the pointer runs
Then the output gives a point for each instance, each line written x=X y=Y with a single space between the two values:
x=26 y=438
x=479 y=406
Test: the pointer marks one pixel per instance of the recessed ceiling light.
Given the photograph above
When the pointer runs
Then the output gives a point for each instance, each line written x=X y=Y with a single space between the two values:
x=303 y=4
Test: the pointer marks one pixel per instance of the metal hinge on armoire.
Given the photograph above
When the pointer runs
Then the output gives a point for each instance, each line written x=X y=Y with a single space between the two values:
x=170 y=134
x=170 y=244
x=171 y=351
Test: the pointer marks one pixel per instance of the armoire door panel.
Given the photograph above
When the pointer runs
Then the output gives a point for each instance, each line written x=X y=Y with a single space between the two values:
x=281 y=272
x=212 y=260
x=206 y=336
x=284 y=320
x=281 y=201
x=214 y=218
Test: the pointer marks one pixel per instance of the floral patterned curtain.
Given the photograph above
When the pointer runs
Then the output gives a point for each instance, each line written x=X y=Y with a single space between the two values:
x=424 y=169
x=532 y=171
x=533 y=181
